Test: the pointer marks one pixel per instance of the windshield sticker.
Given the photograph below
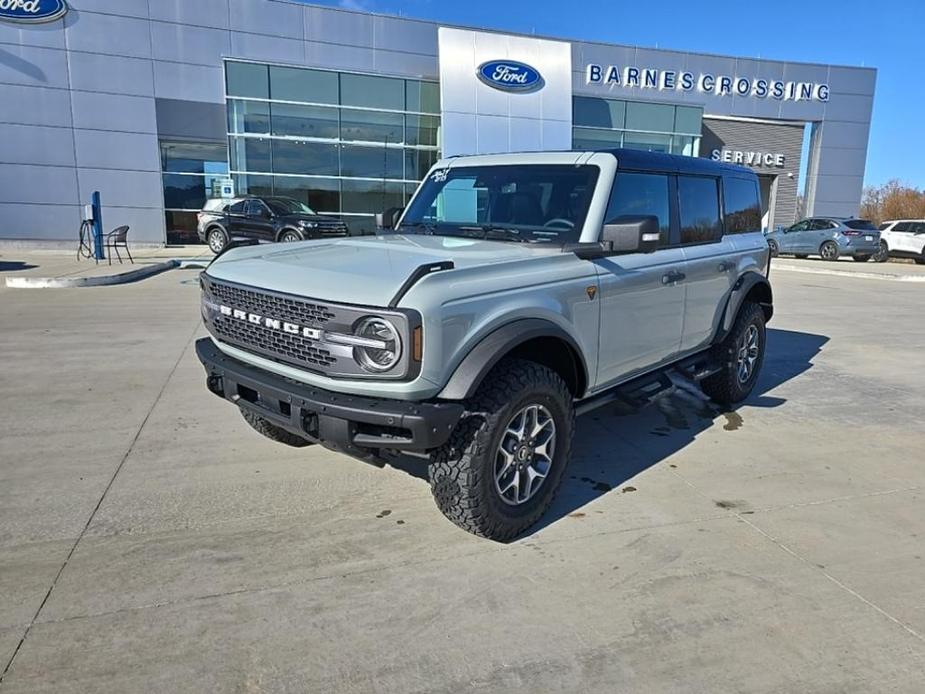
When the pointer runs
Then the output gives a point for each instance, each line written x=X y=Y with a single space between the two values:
x=440 y=176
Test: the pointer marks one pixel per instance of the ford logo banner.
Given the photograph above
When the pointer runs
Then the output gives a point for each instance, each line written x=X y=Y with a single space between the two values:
x=32 y=10
x=509 y=76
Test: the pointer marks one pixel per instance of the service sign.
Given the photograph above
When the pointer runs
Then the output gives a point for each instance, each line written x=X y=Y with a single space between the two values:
x=32 y=11
x=510 y=76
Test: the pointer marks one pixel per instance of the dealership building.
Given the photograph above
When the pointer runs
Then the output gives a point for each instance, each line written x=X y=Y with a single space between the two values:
x=160 y=104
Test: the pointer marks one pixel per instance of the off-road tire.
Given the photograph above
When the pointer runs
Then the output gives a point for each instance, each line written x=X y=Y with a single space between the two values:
x=774 y=248
x=861 y=258
x=273 y=432
x=216 y=239
x=724 y=386
x=461 y=472
x=829 y=251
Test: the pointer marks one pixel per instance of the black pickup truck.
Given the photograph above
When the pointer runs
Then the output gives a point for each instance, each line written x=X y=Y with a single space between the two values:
x=264 y=219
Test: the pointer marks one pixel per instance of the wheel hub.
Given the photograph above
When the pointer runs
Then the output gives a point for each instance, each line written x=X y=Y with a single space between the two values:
x=525 y=454
x=747 y=354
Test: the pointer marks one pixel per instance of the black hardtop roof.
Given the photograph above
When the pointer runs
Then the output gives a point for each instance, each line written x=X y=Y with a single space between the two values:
x=640 y=160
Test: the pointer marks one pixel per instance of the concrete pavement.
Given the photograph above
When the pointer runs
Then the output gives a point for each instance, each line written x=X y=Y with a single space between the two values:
x=149 y=540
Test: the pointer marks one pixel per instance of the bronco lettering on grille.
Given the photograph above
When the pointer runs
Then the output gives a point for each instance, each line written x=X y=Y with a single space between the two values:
x=271 y=323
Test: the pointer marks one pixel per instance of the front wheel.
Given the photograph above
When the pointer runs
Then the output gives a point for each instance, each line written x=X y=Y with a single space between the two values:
x=502 y=466
x=741 y=355
x=829 y=250
x=289 y=236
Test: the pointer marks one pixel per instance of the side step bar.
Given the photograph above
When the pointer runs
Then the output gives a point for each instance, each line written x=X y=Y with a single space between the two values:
x=643 y=389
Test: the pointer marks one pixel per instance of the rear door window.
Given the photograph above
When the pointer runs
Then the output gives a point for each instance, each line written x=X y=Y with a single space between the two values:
x=641 y=194
x=237 y=208
x=742 y=205
x=698 y=207
x=903 y=226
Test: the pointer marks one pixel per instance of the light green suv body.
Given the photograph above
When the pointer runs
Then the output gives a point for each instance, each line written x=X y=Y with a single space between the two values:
x=568 y=269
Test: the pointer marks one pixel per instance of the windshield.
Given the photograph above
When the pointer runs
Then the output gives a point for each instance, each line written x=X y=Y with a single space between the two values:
x=288 y=206
x=862 y=224
x=525 y=202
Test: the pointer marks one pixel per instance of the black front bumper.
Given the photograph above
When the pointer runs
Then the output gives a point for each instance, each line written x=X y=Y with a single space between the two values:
x=348 y=423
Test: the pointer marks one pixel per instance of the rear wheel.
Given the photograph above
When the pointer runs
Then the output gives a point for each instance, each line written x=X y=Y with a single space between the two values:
x=289 y=236
x=882 y=255
x=829 y=251
x=774 y=248
x=273 y=432
x=217 y=240
x=741 y=354
x=502 y=466
x=861 y=258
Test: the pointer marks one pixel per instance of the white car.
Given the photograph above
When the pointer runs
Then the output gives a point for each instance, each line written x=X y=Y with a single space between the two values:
x=903 y=238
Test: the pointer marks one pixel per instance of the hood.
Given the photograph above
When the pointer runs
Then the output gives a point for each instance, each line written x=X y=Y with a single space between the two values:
x=366 y=270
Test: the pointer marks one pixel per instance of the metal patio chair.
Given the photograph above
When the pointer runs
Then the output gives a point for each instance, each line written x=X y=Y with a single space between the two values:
x=116 y=239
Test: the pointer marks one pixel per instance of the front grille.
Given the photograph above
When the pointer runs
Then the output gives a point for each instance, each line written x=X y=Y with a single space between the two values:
x=332 y=227
x=291 y=348
x=271 y=306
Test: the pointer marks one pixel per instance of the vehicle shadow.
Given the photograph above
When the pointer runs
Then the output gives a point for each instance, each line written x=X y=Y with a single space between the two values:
x=15 y=266
x=603 y=461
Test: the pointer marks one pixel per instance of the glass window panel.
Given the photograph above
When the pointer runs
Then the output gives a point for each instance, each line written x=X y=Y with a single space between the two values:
x=250 y=154
x=184 y=192
x=590 y=138
x=181 y=228
x=304 y=121
x=247 y=79
x=640 y=116
x=743 y=205
x=409 y=192
x=422 y=96
x=371 y=126
x=687 y=120
x=299 y=84
x=193 y=157
x=248 y=117
x=371 y=162
x=360 y=225
x=641 y=194
x=598 y=113
x=418 y=162
x=698 y=205
x=253 y=185
x=685 y=145
x=321 y=194
x=647 y=141
x=370 y=197
x=300 y=157
x=373 y=92
x=422 y=130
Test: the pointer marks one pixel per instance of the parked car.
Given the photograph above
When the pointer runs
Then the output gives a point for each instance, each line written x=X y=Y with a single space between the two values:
x=903 y=238
x=273 y=218
x=515 y=291
x=828 y=237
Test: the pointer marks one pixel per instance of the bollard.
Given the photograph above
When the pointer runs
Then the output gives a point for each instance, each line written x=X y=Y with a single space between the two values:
x=98 y=251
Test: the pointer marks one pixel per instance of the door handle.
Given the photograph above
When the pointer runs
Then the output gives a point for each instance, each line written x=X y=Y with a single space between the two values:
x=725 y=267
x=672 y=277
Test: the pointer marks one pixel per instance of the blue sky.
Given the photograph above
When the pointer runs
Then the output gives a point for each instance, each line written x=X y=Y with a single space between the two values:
x=885 y=34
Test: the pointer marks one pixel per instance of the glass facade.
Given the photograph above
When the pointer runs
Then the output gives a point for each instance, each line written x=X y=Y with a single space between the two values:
x=343 y=143
x=191 y=172
x=654 y=127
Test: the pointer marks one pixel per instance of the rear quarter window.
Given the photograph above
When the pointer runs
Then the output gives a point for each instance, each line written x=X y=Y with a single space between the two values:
x=860 y=224
x=698 y=208
x=742 y=205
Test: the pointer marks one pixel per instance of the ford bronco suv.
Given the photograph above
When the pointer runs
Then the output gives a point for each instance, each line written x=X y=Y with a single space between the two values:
x=514 y=292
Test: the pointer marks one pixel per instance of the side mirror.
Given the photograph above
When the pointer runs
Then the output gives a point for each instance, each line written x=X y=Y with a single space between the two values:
x=389 y=218
x=632 y=234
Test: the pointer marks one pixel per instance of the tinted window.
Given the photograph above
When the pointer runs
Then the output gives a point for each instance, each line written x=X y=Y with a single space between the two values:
x=298 y=84
x=371 y=126
x=800 y=226
x=918 y=228
x=374 y=92
x=322 y=194
x=743 y=209
x=885 y=226
x=903 y=226
x=861 y=224
x=698 y=205
x=237 y=208
x=305 y=121
x=248 y=117
x=598 y=113
x=254 y=208
x=247 y=79
x=371 y=162
x=422 y=96
x=817 y=224
x=641 y=194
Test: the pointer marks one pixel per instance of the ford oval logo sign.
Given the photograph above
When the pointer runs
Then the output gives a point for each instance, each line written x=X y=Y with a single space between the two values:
x=509 y=76
x=32 y=10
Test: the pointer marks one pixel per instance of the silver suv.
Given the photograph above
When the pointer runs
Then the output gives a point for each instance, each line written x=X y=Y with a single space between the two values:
x=514 y=292
x=828 y=237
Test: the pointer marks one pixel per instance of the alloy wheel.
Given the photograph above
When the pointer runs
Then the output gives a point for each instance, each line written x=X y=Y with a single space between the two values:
x=216 y=241
x=525 y=455
x=747 y=354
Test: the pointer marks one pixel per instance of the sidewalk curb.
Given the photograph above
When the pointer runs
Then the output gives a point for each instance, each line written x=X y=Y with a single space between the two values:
x=104 y=280
x=847 y=273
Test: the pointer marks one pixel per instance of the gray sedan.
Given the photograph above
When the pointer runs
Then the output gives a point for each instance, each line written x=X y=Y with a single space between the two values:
x=828 y=237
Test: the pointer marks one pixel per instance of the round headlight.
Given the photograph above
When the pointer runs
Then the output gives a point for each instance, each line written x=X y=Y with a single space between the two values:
x=383 y=350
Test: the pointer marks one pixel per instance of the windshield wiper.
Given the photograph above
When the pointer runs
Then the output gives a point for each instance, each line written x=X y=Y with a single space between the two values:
x=494 y=232
x=425 y=227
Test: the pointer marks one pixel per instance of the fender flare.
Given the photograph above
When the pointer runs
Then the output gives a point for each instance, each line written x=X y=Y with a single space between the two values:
x=740 y=290
x=473 y=369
